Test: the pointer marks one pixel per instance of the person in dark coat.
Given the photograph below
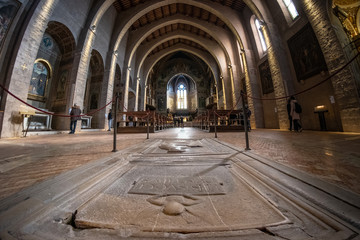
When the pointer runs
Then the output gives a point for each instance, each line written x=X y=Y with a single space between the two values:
x=75 y=116
x=295 y=116
x=110 y=119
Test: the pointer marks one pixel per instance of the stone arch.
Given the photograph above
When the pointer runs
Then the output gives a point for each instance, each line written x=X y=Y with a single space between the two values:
x=131 y=101
x=213 y=66
x=60 y=91
x=93 y=87
x=56 y=52
x=134 y=15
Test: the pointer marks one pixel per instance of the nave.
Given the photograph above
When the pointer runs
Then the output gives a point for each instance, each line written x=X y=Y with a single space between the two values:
x=312 y=172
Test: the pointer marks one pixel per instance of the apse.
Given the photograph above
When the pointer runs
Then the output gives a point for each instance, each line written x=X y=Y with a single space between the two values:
x=181 y=95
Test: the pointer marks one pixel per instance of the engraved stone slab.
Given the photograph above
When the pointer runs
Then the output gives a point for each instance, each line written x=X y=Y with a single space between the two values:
x=156 y=185
x=183 y=147
x=174 y=200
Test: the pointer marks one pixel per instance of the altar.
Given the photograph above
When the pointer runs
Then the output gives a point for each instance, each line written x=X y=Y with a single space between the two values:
x=86 y=121
x=36 y=120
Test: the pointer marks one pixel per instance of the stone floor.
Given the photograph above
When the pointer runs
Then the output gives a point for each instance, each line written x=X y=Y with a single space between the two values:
x=331 y=156
x=181 y=183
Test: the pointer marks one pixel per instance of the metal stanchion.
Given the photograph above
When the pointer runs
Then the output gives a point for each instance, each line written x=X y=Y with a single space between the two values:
x=215 y=123
x=29 y=122
x=245 y=122
x=148 y=126
x=115 y=121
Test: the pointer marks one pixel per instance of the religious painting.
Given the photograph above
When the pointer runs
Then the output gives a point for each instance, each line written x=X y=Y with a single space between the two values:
x=47 y=42
x=94 y=101
x=60 y=90
x=38 y=80
x=265 y=77
x=161 y=104
x=306 y=54
x=8 y=10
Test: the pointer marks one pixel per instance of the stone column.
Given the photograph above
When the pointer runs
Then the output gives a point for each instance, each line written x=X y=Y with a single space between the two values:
x=107 y=86
x=137 y=94
x=125 y=99
x=80 y=70
x=275 y=54
x=345 y=90
x=253 y=90
x=237 y=85
x=23 y=66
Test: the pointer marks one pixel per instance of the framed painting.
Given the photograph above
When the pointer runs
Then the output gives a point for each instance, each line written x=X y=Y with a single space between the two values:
x=306 y=54
x=38 y=81
x=8 y=10
x=60 y=90
x=265 y=76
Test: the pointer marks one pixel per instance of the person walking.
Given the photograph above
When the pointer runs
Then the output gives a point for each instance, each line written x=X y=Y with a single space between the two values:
x=288 y=106
x=295 y=114
x=110 y=119
x=75 y=116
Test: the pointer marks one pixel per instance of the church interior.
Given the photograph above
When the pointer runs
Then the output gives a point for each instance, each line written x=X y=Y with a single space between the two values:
x=190 y=119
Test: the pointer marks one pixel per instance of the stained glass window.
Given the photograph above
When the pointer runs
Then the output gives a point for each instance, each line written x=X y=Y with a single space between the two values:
x=181 y=97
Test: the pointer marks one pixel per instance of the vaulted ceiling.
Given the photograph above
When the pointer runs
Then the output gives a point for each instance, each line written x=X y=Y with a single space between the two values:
x=171 y=10
x=186 y=11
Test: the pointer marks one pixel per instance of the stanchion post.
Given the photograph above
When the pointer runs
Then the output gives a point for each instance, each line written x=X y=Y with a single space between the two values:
x=27 y=128
x=215 y=123
x=148 y=126
x=115 y=121
x=245 y=122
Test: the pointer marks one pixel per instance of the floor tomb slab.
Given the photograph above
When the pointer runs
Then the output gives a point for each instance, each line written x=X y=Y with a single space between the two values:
x=209 y=190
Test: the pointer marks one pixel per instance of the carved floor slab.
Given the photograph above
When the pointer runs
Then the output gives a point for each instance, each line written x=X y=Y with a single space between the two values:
x=180 y=189
x=179 y=199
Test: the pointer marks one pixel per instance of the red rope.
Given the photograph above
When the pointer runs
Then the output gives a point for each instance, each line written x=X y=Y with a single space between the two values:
x=310 y=88
x=54 y=114
x=265 y=99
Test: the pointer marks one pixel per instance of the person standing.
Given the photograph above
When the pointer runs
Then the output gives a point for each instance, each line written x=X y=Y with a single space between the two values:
x=288 y=106
x=295 y=114
x=110 y=119
x=75 y=116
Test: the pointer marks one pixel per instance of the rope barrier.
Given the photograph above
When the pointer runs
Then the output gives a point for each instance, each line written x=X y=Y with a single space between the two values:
x=228 y=114
x=310 y=88
x=53 y=114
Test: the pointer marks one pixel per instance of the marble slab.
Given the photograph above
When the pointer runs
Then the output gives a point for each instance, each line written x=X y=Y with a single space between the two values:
x=183 y=198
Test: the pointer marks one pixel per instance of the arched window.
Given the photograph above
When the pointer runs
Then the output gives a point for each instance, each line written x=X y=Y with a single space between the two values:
x=291 y=8
x=181 y=96
x=39 y=79
x=261 y=35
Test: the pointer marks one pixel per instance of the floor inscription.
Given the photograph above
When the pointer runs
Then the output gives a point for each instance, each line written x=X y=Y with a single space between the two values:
x=157 y=185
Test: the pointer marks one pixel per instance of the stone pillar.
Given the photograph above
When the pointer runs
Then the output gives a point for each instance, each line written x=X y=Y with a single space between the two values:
x=23 y=66
x=137 y=94
x=107 y=87
x=237 y=86
x=253 y=90
x=345 y=90
x=125 y=99
x=274 y=56
x=232 y=103
x=80 y=70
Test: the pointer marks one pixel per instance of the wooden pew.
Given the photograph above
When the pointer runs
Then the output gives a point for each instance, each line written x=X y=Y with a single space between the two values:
x=136 y=122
